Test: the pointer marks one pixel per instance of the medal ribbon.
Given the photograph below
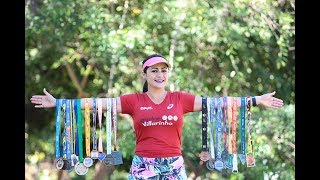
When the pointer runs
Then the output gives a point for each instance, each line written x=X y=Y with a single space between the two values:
x=229 y=110
x=210 y=116
x=73 y=131
x=250 y=154
x=94 y=124
x=234 y=136
x=68 y=130
x=100 y=148
x=242 y=124
x=79 y=119
x=76 y=128
x=219 y=128
x=114 y=118
x=225 y=122
x=250 y=146
x=58 y=127
x=234 y=126
x=108 y=125
x=64 y=146
x=87 y=125
x=204 y=124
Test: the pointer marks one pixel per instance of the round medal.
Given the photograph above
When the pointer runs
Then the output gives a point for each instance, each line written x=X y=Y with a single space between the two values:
x=58 y=163
x=210 y=164
x=81 y=169
x=88 y=162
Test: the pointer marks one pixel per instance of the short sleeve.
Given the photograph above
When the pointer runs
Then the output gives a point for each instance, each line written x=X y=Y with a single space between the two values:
x=127 y=103
x=187 y=101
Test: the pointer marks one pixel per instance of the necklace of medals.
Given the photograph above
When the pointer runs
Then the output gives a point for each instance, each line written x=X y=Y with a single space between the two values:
x=117 y=156
x=101 y=155
x=108 y=160
x=58 y=162
x=250 y=155
x=94 y=152
x=80 y=168
x=88 y=161
x=234 y=136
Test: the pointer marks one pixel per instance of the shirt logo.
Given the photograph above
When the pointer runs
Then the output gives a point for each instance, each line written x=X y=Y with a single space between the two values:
x=166 y=120
x=169 y=106
x=146 y=108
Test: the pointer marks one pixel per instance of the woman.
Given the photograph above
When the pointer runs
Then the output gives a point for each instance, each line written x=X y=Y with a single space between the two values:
x=158 y=121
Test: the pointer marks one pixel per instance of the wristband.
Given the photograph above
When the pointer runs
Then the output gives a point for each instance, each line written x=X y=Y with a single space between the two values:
x=254 y=102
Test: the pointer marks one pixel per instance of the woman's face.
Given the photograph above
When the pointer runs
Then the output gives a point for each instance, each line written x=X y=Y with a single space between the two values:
x=157 y=76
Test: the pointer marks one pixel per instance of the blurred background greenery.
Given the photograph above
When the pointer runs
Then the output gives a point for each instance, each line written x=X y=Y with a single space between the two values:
x=86 y=48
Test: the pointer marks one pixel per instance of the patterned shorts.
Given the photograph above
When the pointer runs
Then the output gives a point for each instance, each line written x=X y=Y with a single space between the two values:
x=171 y=168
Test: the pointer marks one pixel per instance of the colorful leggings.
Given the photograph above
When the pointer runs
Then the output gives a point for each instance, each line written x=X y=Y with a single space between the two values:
x=171 y=168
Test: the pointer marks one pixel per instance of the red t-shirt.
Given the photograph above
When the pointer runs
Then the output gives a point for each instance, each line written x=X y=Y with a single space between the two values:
x=158 y=127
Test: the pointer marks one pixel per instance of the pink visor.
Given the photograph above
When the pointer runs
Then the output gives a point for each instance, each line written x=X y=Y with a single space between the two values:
x=153 y=61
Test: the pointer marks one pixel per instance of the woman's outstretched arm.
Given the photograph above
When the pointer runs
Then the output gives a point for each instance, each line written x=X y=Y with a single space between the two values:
x=49 y=101
x=266 y=100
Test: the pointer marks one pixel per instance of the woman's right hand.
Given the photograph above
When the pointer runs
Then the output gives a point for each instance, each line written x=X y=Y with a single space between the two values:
x=43 y=101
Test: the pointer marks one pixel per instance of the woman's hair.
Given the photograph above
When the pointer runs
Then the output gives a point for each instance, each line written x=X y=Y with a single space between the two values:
x=145 y=85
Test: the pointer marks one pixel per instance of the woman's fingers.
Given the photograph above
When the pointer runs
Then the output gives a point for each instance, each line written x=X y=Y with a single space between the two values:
x=36 y=99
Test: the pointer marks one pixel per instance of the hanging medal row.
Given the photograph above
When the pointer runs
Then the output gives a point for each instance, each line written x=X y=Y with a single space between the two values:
x=222 y=118
x=69 y=134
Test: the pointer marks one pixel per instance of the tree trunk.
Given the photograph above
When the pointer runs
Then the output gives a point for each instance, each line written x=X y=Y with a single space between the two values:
x=102 y=171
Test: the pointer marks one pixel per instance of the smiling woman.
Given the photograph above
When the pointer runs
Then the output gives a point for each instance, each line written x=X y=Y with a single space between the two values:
x=158 y=118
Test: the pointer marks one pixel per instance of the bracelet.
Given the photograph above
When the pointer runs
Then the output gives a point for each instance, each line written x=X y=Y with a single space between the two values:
x=248 y=101
x=254 y=102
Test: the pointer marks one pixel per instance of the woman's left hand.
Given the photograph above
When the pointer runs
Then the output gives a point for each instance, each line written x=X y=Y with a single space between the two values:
x=268 y=101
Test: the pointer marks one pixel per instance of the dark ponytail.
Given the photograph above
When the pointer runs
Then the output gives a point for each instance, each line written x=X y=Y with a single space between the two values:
x=145 y=85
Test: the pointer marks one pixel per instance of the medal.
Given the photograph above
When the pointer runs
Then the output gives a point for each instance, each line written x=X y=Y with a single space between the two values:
x=88 y=162
x=117 y=157
x=74 y=159
x=58 y=162
x=101 y=156
x=218 y=165
x=108 y=160
x=250 y=160
x=94 y=154
x=242 y=158
x=81 y=169
x=225 y=158
x=229 y=164
x=235 y=164
x=234 y=137
x=210 y=164
x=250 y=156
